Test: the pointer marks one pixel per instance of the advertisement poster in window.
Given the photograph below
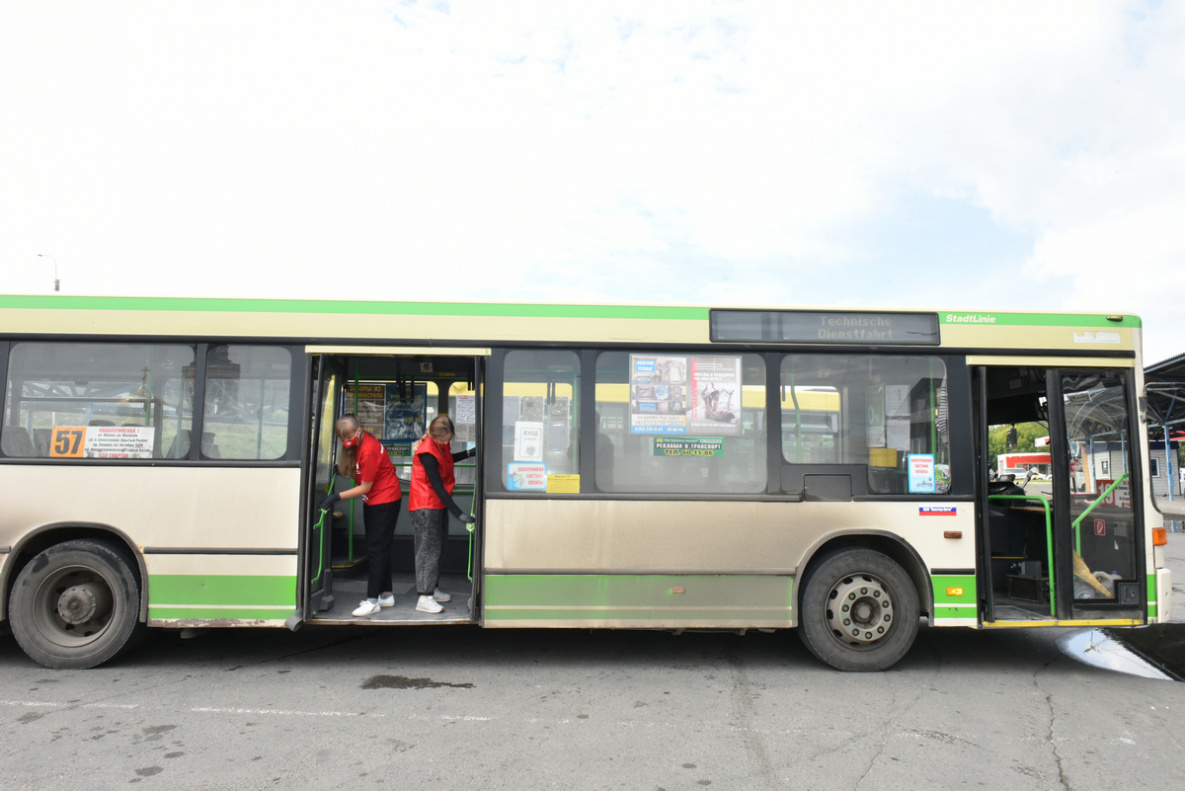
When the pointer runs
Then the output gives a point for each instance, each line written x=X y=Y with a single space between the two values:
x=368 y=403
x=685 y=395
x=407 y=415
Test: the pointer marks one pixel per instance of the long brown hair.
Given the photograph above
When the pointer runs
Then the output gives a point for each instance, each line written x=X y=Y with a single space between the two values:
x=346 y=425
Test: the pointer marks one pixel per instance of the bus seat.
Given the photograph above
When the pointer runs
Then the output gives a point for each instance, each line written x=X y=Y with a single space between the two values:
x=209 y=446
x=41 y=441
x=101 y=423
x=15 y=442
x=180 y=447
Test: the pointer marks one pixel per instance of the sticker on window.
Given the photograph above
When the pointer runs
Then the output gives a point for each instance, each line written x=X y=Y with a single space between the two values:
x=527 y=477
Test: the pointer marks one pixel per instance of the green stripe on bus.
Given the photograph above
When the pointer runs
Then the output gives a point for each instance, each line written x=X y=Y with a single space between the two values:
x=642 y=614
x=231 y=614
x=192 y=304
x=972 y=318
x=170 y=590
x=637 y=597
x=944 y=587
x=1152 y=600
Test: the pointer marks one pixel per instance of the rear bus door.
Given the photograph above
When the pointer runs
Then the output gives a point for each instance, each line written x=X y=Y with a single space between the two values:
x=1061 y=542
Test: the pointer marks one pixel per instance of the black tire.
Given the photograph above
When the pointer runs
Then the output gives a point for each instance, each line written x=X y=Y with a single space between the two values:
x=75 y=605
x=859 y=611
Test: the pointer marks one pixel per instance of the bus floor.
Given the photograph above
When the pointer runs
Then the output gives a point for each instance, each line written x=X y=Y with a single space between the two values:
x=348 y=592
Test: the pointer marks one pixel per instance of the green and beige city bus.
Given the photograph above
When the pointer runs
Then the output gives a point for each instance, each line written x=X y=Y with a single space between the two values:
x=637 y=468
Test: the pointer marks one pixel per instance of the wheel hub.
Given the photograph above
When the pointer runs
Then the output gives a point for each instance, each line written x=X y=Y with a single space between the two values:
x=79 y=604
x=860 y=609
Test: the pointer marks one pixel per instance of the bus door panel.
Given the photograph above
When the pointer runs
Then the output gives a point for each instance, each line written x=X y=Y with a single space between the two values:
x=1102 y=551
x=329 y=373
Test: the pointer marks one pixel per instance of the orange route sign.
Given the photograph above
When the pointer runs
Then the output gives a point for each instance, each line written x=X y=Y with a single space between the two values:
x=67 y=442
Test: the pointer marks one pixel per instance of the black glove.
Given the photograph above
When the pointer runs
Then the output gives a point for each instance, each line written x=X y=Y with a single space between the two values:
x=466 y=519
x=330 y=501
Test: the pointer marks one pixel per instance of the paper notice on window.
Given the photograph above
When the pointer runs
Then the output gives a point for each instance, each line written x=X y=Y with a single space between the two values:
x=466 y=409
x=896 y=401
x=528 y=441
x=119 y=442
x=897 y=433
x=563 y=484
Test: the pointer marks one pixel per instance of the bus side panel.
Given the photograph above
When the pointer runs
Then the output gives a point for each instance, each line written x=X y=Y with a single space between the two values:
x=219 y=543
x=619 y=563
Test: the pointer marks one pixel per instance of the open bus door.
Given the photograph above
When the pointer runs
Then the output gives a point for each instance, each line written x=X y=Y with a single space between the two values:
x=395 y=391
x=1060 y=544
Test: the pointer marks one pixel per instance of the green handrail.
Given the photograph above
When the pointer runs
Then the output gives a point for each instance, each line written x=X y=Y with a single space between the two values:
x=1077 y=524
x=319 y=527
x=1048 y=538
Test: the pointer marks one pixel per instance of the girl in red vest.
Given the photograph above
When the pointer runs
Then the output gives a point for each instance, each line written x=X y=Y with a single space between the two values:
x=430 y=497
x=365 y=458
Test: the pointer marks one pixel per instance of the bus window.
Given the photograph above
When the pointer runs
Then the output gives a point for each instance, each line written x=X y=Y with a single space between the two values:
x=887 y=414
x=60 y=395
x=246 y=404
x=539 y=418
x=689 y=423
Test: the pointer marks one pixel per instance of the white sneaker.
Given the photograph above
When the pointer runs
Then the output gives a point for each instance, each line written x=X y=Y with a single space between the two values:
x=387 y=600
x=366 y=608
x=428 y=604
x=441 y=596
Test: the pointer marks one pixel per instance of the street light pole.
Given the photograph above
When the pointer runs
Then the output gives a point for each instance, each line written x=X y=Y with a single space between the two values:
x=56 y=282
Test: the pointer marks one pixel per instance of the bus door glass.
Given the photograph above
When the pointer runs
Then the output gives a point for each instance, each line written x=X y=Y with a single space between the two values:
x=1103 y=547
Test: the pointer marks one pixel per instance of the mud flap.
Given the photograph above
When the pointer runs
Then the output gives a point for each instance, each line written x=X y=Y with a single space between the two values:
x=295 y=620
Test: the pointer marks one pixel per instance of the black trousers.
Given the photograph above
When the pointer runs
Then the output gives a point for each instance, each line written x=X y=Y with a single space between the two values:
x=380 y=530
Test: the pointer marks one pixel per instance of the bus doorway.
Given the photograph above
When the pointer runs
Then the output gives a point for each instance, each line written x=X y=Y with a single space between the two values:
x=1063 y=546
x=395 y=394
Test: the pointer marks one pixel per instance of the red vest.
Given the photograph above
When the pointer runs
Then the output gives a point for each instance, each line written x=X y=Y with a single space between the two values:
x=422 y=494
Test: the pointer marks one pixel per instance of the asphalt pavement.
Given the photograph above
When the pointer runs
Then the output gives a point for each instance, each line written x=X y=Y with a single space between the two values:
x=449 y=708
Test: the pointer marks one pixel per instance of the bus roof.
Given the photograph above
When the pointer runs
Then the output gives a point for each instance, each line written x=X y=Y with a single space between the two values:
x=485 y=323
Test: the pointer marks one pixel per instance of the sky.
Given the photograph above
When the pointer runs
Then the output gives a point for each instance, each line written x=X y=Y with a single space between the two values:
x=991 y=156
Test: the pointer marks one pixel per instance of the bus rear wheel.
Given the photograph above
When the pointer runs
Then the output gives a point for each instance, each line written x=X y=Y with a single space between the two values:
x=75 y=605
x=859 y=611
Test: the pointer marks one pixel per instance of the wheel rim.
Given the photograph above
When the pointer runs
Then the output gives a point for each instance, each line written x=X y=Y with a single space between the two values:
x=74 y=606
x=860 y=611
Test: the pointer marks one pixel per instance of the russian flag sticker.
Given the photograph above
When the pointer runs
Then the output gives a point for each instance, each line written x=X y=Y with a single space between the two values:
x=938 y=510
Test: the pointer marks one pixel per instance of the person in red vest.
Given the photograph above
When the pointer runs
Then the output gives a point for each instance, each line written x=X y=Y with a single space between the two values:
x=430 y=497
x=365 y=458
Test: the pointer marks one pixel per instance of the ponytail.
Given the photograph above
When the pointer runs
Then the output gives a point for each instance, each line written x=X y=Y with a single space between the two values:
x=347 y=458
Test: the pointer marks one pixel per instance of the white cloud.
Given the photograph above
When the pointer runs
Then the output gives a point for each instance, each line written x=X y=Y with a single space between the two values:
x=673 y=151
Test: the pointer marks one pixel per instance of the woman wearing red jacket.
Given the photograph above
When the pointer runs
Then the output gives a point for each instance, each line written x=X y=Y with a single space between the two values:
x=365 y=458
x=430 y=497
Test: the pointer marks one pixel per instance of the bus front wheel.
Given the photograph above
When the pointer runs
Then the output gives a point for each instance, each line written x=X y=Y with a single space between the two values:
x=859 y=611
x=75 y=605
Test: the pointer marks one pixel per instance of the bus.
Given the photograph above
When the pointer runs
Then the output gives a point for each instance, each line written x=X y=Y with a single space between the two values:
x=674 y=468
